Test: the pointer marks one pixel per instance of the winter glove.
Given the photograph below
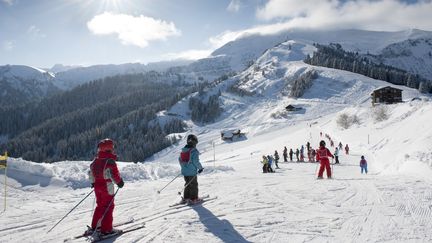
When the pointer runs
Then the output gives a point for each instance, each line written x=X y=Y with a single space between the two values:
x=121 y=183
x=92 y=185
x=200 y=170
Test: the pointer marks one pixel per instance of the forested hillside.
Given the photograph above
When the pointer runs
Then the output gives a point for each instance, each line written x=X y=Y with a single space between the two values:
x=334 y=56
x=68 y=126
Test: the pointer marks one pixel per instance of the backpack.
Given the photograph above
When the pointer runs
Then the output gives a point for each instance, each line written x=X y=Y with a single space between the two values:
x=185 y=156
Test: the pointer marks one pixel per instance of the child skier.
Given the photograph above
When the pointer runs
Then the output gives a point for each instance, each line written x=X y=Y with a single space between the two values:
x=363 y=165
x=322 y=155
x=190 y=168
x=103 y=174
x=270 y=162
x=265 y=164
x=276 y=159
x=336 y=155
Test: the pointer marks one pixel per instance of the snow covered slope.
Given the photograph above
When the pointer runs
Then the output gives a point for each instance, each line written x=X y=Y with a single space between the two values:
x=390 y=204
x=20 y=83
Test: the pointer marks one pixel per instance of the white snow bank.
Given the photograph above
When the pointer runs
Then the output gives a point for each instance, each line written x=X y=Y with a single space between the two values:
x=74 y=174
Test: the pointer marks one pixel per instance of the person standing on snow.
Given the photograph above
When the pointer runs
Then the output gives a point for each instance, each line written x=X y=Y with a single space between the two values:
x=190 y=168
x=363 y=165
x=336 y=155
x=265 y=164
x=322 y=155
x=291 y=154
x=276 y=159
x=297 y=154
x=270 y=162
x=285 y=154
x=346 y=149
x=313 y=155
x=103 y=174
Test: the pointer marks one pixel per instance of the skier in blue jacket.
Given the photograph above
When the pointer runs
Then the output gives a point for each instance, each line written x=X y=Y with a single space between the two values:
x=190 y=167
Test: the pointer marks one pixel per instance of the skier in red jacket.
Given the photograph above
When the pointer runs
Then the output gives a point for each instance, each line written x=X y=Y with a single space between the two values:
x=103 y=174
x=322 y=155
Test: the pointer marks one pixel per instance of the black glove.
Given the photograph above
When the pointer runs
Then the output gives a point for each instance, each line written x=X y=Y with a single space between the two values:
x=92 y=185
x=200 y=170
x=121 y=183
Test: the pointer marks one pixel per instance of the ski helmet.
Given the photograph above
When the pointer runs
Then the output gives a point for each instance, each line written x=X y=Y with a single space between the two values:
x=192 y=139
x=322 y=143
x=106 y=145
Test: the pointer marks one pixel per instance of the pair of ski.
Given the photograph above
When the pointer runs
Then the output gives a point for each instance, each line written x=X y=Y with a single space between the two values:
x=202 y=200
x=107 y=236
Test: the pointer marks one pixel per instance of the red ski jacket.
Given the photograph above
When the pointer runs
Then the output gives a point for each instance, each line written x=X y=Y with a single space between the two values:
x=104 y=172
x=323 y=154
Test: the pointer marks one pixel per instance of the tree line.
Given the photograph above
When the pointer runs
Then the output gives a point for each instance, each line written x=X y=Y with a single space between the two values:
x=123 y=107
x=334 y=56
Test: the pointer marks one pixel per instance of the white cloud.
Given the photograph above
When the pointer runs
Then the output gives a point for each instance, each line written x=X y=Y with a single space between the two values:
x=234 y=6
x=189 y=54
x=8 y=45
x=8 y=2
x=132 y=30
x=386 y=15
x=35 y=32
x=378 y=15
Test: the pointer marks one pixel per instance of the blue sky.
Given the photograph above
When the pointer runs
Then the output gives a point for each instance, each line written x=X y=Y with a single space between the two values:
x=42 y=33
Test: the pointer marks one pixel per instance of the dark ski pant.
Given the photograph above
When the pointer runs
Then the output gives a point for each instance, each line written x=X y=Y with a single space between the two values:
x=336 y=159
x=363 y=168
x=285 y=158
x=191 y=191
x=265 y=170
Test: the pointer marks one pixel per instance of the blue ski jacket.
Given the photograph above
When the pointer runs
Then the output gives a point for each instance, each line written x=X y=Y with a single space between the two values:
x=191 y=167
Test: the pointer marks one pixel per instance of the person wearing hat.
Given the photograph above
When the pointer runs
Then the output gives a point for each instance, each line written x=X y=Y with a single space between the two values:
x=190 y=168
x=103 y=175
x=363 y=165
x=322 y=155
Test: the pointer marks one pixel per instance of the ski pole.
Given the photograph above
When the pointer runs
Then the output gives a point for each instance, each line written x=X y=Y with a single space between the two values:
x=187 y=184
x=98 y=225
x=70 y=211
x=159 y=191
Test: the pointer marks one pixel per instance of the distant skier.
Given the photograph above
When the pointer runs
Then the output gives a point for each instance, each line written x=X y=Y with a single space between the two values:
x=285 y=154
x=308 y=146
x=190 y=168
x=291 y=154
x=297 y=154
x=276 y=159
x=313 y=154
x=340 y=146
x=265 y=164
x=331 y=143
x=320 y=134
x=336 y=155
x=346 y=149
x=322 y=155
x=270 y=162
x=309 y=154
x=103 y=174
x=363 y=165
x=302 y=153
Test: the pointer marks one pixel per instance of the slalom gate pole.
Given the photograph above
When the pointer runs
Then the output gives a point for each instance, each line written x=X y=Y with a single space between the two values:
x=159 y=191
x=70 y=211
x=187 y=184
x=98 y=225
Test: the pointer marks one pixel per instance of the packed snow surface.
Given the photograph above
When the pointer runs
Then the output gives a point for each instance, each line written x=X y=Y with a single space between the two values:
x=392 y=203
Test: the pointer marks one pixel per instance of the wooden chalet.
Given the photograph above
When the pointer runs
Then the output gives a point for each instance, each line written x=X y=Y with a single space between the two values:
x=386 y=95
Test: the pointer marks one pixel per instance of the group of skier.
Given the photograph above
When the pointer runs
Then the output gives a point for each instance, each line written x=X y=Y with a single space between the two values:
x=321 y=155
x=104 y=174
